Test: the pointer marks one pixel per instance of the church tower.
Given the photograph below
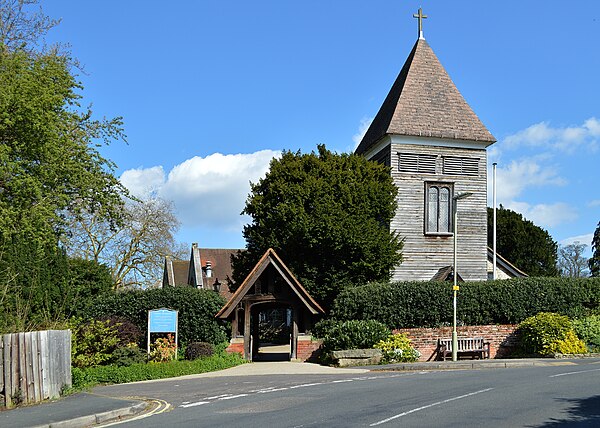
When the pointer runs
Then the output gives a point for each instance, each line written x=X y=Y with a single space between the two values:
x=436 y=147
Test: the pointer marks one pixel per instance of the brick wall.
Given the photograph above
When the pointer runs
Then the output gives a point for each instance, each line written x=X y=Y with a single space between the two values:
x=308 y=349
x=236 y=345
x=501 y=337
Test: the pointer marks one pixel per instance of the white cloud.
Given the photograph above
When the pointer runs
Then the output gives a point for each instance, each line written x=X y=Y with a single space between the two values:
x=521 y=174
x=143 y=182
x=544 y=215
x=594 y=203
x=593 y=126
x=206 y=191
x=365 y=122
x=563 y=139
x=582 y=239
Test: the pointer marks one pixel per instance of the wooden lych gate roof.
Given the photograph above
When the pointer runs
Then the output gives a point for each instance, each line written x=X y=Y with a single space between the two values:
x=270 y=258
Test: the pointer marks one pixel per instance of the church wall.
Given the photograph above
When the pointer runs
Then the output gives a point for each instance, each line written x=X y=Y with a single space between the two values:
x=425 y=254
x=502 y=338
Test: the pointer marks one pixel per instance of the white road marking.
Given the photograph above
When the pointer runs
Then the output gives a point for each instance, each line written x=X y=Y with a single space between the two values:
x=233 y=396
x=304 y=385
x=187 y=404
x=572 y=373
x=197 y=403
x=429 y=406
x=216 y=397
x=264 y=391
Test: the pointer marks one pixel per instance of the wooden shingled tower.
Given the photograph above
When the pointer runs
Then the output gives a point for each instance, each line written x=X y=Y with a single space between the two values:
x=436 y=147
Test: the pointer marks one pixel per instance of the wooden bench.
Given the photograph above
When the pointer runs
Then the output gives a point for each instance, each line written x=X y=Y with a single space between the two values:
x=473 y=346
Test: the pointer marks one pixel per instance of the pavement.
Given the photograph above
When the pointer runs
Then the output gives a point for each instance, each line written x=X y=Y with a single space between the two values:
x=89 y=409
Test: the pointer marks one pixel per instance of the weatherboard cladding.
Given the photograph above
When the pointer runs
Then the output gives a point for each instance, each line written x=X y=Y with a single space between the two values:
x=424 y=101
x=423 y=254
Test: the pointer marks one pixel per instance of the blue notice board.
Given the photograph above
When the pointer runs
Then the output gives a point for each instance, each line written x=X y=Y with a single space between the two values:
x=162 y=321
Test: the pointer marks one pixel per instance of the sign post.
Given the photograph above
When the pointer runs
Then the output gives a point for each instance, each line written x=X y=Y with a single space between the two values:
x=162 y=321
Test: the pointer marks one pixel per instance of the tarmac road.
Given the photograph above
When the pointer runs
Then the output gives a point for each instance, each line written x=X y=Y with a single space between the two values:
x=564 y=393
x=528 y=392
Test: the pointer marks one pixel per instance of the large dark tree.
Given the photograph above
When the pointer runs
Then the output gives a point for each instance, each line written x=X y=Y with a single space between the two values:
x=327 y=215
x=595 y=260
x=527 y=246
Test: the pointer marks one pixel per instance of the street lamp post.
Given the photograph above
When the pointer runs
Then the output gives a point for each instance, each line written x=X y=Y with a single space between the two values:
x=455 y=200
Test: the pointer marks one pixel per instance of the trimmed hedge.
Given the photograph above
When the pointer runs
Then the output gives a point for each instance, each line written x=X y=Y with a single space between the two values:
x=352 y=334
x=429 y=304
x=197 y=309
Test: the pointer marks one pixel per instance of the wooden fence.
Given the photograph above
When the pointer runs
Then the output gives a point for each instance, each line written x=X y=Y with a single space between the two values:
x=34 y=366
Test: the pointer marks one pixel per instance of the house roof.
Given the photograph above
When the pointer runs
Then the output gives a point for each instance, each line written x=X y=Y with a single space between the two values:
x=191 y=272
x=180 y=271
x=220 y=259
x=270 y=258
x=446 y=273
x=505 y=265
x=424 y=102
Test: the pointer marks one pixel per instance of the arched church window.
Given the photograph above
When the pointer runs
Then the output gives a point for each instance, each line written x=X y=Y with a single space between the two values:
x=438 y=209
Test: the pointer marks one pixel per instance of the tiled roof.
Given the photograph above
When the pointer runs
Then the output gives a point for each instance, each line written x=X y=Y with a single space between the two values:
x=505 y=265
x=424 y=102
x=180 y=270
x=446 y=274
x=220 y=259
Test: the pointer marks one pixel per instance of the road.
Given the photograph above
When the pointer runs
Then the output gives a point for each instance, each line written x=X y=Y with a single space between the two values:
x=565 y=394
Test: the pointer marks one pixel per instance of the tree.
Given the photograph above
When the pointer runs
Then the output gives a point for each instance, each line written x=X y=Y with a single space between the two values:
x=50 y=167
x=327 y=215
x=571 y=262
x=594 y=262
x=21 y=29
x=527 y=246
x=134 y=251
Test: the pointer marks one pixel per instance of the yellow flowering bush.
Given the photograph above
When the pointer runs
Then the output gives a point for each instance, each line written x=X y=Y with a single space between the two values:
x=163 y=349
x=398 y=349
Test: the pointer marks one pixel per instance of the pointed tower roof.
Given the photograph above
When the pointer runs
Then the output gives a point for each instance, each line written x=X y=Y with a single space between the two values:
x=424 y=102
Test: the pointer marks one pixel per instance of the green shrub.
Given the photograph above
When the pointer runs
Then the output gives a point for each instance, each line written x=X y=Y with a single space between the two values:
x=196 y=317
x=548 y=333
x=128 y=355
x=588 y=330
x=397 y=349
x=354 y=334
x=429 y=304
x=197 y=350
x=137 y=372
x=92 y=343
x=127 y=332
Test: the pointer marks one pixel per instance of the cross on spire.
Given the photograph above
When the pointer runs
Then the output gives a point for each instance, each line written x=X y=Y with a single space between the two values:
x=421 y=17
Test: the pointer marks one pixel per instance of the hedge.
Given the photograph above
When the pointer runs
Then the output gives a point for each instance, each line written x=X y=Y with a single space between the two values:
x=429 y=304
x=197 y=309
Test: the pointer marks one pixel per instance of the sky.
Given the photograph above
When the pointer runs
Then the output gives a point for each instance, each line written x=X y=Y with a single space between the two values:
x=211 y=91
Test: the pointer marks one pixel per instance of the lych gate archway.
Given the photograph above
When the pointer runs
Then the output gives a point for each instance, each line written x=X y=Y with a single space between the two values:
x=271 y=331
x=269 y=288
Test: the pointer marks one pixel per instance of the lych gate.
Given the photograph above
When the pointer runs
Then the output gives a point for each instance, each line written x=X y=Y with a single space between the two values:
x=270 y=306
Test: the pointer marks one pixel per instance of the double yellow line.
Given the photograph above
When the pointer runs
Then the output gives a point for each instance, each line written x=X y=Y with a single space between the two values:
x=157 y=407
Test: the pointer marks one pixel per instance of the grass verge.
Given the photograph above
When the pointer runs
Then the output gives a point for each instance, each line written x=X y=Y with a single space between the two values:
x=85 y=378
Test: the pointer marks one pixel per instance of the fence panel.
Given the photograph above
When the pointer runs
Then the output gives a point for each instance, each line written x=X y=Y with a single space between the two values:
x=34 y=366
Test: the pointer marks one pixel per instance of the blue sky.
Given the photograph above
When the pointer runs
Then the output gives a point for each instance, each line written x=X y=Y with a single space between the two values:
x=211 y=90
